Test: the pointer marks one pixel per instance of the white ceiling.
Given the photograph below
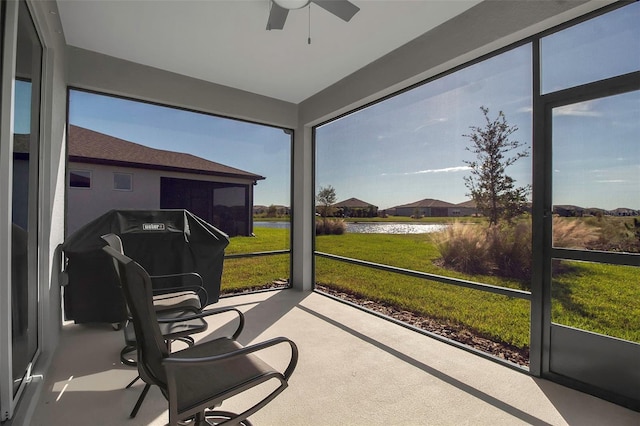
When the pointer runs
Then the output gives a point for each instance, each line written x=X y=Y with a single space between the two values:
x=225 y=41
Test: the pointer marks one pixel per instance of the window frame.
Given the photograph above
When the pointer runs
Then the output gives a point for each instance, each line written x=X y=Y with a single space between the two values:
x=537 y=365
x=115 y=188
x=90 y=177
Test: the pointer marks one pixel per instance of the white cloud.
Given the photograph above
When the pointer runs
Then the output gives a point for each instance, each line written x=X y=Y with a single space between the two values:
x=582 y=109
x=429 y=123
x=444 y=170
x=421 y=172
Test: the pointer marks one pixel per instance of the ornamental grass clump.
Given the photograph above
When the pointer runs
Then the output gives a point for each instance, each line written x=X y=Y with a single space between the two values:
x=505 y=250
x=502 y=250
x=331 y=227
x=572 y=233
x=464 y=248
x=510 y=250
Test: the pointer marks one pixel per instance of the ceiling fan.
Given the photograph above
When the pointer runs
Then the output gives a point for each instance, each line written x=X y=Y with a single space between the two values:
x=343 y=9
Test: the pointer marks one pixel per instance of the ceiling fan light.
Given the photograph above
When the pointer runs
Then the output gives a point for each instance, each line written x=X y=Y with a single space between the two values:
x=292 y=4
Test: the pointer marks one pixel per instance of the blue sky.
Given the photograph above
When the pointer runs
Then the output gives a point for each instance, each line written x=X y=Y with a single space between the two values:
x=258 y=149
x=411 y=146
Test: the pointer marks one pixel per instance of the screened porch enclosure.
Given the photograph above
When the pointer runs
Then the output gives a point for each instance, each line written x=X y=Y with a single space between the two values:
x=228 y=207
x=385 y=116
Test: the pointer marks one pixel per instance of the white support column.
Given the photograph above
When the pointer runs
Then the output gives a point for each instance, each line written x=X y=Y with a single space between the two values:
x=302 y=211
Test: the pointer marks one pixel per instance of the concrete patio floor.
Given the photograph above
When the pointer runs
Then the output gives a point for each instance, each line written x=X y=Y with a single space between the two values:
x=354 y=369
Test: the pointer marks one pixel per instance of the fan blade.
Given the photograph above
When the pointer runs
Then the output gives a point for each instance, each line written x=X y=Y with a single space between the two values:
x=343 y=9
x=277 y=17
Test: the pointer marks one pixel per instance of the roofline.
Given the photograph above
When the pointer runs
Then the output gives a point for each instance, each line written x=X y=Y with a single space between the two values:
x=91 y=160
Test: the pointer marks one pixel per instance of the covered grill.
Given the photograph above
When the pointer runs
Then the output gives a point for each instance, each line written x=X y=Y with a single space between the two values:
x=162 y=241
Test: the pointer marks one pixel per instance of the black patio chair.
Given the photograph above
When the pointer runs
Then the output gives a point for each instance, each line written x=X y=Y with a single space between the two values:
x=179 y=316
x=200 y=377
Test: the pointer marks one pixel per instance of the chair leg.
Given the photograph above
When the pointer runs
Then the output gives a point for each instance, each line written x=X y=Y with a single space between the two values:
x=132 y=382
x=134 y=412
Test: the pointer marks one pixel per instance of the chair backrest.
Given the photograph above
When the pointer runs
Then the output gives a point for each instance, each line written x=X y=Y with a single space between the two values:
x=114 y=242
x=137 y=289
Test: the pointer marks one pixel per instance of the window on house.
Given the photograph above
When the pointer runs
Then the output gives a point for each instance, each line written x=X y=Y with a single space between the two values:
x=80 y=179
x=123 y=181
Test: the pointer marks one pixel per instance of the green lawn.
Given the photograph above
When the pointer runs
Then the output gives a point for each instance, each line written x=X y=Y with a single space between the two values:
x=266 y=239
x=599 y=298
x=256 y=271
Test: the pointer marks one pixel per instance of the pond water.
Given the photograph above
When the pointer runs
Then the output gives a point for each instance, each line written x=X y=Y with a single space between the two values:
x=373 y=227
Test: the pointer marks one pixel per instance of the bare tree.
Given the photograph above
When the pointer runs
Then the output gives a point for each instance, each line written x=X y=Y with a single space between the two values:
x=493 y=191
x=326 y=197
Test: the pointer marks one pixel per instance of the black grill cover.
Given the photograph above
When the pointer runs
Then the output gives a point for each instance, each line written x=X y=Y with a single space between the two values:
x=162 y=241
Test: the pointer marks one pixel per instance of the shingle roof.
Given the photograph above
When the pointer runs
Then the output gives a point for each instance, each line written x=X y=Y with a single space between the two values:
x=353 y=203
x=87 y=146
x=427 y=202
x=468 y=203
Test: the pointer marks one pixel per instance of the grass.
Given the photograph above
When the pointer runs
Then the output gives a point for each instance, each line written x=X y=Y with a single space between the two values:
x=251 y=272
x=493 y=316
x=245 y=273
x=598 y=297
x=497 y=317
x=595 y=297
x=265 y=239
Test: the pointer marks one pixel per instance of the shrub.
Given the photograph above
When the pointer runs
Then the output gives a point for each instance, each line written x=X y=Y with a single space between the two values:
x=331 y=226
x=505 y=250
x=572 y=233
x=510 y=250
x=615 y=234
x=502 y=250
x=463 y=249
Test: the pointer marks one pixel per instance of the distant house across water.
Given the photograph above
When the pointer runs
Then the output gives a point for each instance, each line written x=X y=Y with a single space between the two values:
x=354 y=207
x=105 y=172
x=435 y=208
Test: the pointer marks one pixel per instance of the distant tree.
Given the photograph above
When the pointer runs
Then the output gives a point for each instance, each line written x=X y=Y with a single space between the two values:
x=272 y=211
x=325 y=198
x=490 y=187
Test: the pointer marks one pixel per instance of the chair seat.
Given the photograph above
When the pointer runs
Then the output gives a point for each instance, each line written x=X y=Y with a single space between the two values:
x=199 y=383
x=182 y=300
x=171 y=330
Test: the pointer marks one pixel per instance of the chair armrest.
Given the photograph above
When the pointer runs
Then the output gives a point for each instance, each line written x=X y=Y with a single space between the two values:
x=195 y=275
x=208 y=313
x=171 y=363
x=197 y=288
x=201 y=292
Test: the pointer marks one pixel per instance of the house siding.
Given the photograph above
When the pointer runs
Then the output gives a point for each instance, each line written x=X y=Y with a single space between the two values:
x=85 y=204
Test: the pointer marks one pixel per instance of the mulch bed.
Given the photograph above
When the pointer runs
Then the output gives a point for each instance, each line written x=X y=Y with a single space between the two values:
x=440 y=327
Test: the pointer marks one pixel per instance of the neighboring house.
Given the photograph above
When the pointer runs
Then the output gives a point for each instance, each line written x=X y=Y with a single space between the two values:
x=354 y=208
x=427 y=207
x=568 y=210
x=623 y=211
x=274 y=210
x=107 y=173
x=467 y=208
